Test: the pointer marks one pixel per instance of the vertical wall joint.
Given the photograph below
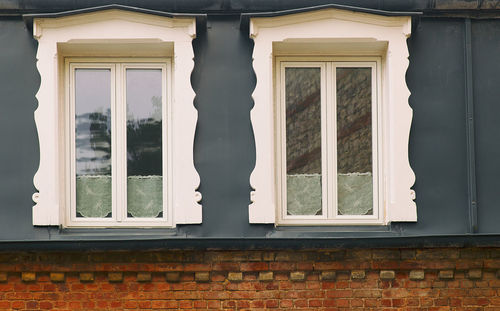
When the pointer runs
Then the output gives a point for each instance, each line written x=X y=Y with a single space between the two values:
x=469 y=121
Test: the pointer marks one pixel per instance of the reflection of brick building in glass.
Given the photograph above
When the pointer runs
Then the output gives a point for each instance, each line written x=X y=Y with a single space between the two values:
x=354 y=120
x=303 y=117
x=303 y=120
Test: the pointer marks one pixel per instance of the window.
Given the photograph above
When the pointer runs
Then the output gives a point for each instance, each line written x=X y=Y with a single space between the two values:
x=115 y=119
x=327 y=140
x=117 y=157
x=331 y=119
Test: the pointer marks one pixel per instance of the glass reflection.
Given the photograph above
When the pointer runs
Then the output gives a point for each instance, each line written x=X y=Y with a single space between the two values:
x=144 y=143
x=354 y=141
x=303 y=140
x=93 y=142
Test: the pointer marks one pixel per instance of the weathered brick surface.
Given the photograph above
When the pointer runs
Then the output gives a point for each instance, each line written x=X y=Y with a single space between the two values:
x=57 y=277
x=361 y=279
x=387 y=275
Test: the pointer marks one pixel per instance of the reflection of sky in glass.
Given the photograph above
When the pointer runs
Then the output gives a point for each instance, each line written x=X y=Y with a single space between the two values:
x=144 y=94
x=93 y=121
x=93 y=90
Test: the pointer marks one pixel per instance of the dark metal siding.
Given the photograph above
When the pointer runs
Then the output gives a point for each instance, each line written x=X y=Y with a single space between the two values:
x=19 y=153
x=224 y=151
x=486 y=72
x=435 y=78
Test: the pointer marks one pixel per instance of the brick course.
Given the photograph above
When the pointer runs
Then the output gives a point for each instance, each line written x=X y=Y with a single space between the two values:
x=420 y=279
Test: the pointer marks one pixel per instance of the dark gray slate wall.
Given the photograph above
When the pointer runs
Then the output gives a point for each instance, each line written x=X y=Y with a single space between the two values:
x=19 y=153
x=224 y=149
x=436 y=80
x=486 y=70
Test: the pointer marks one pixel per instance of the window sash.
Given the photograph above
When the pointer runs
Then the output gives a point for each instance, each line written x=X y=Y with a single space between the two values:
x=118 y=69
x=328 y=66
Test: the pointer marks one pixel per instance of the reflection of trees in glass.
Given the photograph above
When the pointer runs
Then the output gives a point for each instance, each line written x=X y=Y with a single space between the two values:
x=144 y=142
x=93 y=143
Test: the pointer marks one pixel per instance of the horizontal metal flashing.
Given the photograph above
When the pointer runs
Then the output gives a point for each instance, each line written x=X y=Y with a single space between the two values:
x=242 y=243
x=245 y=17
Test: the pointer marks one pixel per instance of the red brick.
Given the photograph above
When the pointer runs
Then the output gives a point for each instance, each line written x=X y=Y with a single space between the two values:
x=18 y=305
x=300 y=303
x=226 y=266
x=242 y=304
x=257 y=304
x=286 y=303
x=344 y=303
x=356 y=303
x=473 y=287
x=315 y=303
x=32 y=304
x=196 y=267
x=254 y=266
x=282 y=266
x=371 y=302
x=386 y=302
x=213 y=304
x=395 y=293
x=272 y=303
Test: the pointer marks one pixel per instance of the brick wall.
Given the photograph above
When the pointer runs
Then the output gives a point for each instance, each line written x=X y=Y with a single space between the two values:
x=378 y=279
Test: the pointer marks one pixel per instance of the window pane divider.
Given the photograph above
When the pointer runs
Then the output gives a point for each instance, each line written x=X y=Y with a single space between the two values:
x=331 y=144
x=120 y=199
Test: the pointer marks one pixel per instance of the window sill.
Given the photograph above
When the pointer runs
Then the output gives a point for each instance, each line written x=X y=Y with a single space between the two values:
x=113 y=233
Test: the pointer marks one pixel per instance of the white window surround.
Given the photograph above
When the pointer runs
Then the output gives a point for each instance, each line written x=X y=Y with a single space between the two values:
x=334 y=32
x=113 y=33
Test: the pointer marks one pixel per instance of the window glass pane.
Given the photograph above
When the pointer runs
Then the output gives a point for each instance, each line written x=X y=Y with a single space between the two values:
x=303 y=140
x=93 y=142
x=354 y=141
x=144 y=143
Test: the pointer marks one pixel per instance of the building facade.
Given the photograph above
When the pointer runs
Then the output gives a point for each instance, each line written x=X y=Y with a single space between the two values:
x=321 y=155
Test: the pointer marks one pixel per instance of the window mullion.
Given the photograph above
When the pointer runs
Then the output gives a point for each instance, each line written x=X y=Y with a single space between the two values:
x=325 y=137
x=332 y=139
x=120 y=155
x=282 y=142
x=71 y=158
x=376 y=132
x=166 y=140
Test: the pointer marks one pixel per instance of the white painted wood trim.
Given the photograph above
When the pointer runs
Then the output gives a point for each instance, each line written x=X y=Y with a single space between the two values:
x=350 y=30
x=105 y=29
x=185 y=178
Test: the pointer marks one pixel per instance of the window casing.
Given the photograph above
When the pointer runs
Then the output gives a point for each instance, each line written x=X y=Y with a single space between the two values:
x=317 y=180
x=332 y=35
x=131 y=139
x=116 y=38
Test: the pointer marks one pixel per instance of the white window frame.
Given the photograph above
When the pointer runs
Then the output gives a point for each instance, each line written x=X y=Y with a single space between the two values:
x=334 y=33
x=114 y=33
x=118 y=69
x=328 y=67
